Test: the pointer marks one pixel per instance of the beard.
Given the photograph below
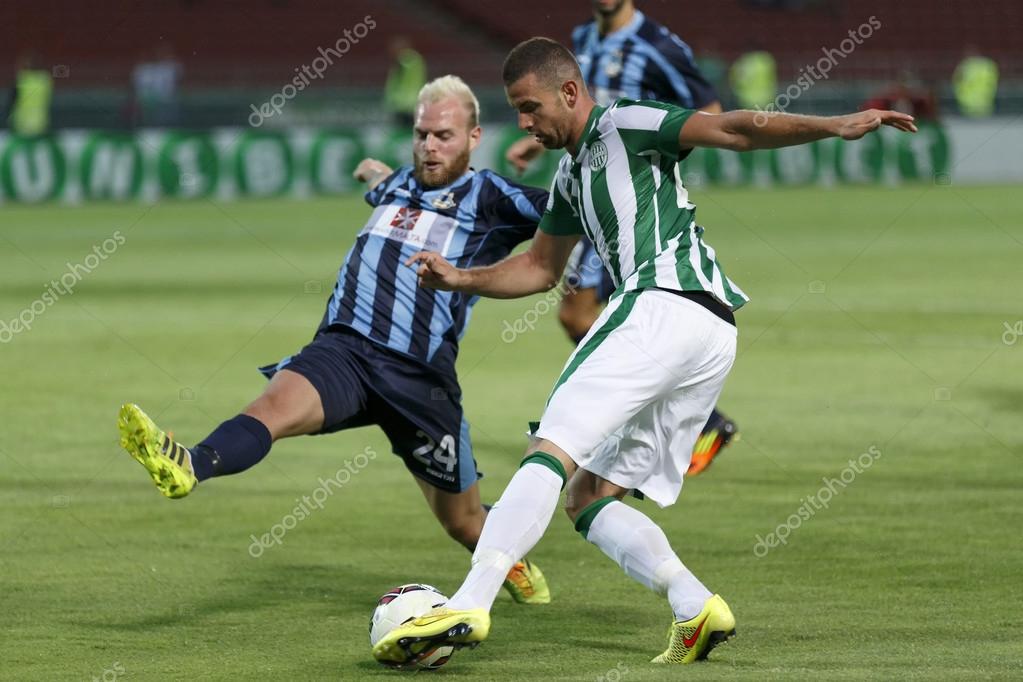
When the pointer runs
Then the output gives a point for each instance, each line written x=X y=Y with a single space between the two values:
x=557 y=130
x=445 y=175
x=609 y=12
x=549 y=141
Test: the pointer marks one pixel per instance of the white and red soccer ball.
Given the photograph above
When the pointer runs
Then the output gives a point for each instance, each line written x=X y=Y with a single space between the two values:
x=400 y=605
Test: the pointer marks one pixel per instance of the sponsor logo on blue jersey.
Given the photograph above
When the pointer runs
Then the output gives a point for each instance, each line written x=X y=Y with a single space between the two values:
x=476 y=220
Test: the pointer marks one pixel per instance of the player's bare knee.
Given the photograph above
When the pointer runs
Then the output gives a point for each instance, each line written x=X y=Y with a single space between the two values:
x=575 y=502
x=585 y=488
x=572 y=508
x=287 y=408
x=464 y=529
x=263 y=409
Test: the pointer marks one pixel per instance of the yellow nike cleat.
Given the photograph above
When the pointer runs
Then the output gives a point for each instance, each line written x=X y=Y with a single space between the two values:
x=405 y=645
x=526 y=584
x=168 y=462
x=691 y=640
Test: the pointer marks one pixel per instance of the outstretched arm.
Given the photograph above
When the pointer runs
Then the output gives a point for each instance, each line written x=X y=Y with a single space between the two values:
x=537 y=269
x=747 y=130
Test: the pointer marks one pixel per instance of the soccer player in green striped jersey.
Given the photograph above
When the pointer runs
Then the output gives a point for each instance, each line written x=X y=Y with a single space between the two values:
x=631 y=399
x=624 y=53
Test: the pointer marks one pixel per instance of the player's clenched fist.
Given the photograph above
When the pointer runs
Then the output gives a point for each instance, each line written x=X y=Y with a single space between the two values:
x=371 y=171
x=435 y=272
x=522 y=152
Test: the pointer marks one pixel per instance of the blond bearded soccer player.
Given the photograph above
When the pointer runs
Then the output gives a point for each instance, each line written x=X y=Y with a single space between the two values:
x=631 y=400
x=384 y=352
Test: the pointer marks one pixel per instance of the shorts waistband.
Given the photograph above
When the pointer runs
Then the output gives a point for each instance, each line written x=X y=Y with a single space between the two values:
x=702 y=298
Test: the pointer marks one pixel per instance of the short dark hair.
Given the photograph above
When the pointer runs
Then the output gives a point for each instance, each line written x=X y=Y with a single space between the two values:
x=549 y=60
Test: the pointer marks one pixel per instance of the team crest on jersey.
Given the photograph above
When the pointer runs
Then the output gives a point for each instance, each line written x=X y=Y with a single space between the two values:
x=406 y=218
x=444 y=202
x=598 y=155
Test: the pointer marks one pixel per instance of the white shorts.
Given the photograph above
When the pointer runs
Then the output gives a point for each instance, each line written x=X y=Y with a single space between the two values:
x=637 y=391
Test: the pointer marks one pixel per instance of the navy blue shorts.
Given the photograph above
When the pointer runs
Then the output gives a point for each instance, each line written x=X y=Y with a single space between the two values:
x=419 y=409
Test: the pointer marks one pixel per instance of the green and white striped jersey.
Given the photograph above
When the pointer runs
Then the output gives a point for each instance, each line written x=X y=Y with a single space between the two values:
x=624 y=191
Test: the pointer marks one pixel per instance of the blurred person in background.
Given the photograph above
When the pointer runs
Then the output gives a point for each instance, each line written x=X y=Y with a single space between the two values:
x=155 y=98
x=907 y=94
x=754 y=79
x=28 y=105
x=975 y=83
x=713 y=67
x=404 y=80
x=623 y=53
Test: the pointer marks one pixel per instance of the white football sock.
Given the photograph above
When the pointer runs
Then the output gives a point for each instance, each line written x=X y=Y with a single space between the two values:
x=516 y=522
x=640 y=547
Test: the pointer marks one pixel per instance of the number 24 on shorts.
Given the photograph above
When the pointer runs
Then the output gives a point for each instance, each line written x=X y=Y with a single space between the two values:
x=432 y=453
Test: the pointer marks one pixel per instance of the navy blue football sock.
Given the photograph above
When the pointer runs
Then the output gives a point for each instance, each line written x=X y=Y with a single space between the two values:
x=234 y=446
x=713 y=419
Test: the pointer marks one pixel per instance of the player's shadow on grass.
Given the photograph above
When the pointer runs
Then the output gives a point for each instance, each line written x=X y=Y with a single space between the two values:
x=455 y=668
x=1002 y=398
x=322 y=589
x=623 y=621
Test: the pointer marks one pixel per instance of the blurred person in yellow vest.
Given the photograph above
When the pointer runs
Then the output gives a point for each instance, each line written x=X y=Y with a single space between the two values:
x=975 y=83
x=404 y=80
x=754 y=79
x=28 y=110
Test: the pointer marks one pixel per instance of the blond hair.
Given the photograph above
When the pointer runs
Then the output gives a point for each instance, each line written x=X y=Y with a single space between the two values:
x=452 y=86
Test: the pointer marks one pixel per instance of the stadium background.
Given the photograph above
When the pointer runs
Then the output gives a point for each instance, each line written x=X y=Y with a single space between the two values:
x=885 y=281
x=241 y=128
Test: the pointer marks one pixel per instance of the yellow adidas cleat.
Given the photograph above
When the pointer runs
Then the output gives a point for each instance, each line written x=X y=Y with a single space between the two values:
x=168 y=462
x=691 y=640
x=526 y=584
x=405 y=645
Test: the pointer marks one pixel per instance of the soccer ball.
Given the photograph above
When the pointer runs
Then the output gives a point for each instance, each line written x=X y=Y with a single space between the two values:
x=400 y=605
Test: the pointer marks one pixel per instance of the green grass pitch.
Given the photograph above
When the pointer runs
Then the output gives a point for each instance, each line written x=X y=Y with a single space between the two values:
x=880 y=318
